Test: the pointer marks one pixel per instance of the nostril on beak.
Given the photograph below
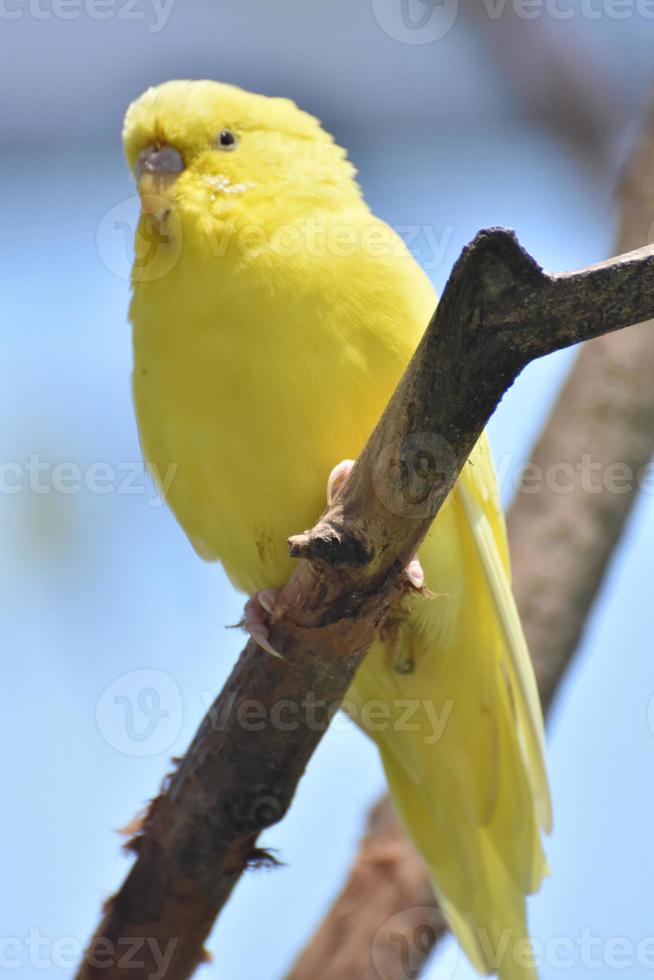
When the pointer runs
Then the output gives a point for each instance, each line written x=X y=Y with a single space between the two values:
x=158 y=160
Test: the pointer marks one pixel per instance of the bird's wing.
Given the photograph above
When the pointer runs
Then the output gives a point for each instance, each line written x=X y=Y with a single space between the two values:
x=473 y=792
x=479 y=494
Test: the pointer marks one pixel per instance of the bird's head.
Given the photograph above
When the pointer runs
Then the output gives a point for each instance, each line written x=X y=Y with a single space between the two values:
x=219 y=163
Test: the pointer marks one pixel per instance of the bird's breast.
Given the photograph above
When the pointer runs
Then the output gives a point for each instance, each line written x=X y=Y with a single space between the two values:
x=249 y=427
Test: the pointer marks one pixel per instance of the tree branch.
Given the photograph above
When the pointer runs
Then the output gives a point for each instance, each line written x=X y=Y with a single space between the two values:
x=561 y=547
x=498 y=312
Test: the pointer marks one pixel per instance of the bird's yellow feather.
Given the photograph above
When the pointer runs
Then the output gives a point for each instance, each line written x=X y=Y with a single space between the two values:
x=275 y=320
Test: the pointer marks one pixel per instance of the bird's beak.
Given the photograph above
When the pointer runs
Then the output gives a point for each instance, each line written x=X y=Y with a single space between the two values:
x=156 y=171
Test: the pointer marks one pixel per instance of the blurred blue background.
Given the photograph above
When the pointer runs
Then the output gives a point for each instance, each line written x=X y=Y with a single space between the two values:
x=114 y=632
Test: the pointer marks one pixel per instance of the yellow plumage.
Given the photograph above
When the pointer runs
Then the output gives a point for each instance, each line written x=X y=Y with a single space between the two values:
x=273 y=316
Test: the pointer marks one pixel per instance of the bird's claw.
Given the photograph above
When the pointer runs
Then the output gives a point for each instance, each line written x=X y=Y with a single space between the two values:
x=415 y=574
x=261 y=606
x=337 y=478
x=256 y=614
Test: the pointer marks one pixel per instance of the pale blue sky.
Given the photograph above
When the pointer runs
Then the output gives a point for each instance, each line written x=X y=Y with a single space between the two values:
x=95 y=586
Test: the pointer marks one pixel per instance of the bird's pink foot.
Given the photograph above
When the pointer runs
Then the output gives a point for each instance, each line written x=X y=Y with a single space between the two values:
x=415 y=574
x=256 y=618
x=337 y=478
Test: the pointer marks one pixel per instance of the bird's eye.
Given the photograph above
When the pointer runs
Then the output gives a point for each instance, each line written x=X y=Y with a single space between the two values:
x=227 y=140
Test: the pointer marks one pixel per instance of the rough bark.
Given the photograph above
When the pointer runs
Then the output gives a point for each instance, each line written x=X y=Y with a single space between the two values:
x=498 y=312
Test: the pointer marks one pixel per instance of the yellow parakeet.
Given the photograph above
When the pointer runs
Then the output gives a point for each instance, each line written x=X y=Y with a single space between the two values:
x=273 y=316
